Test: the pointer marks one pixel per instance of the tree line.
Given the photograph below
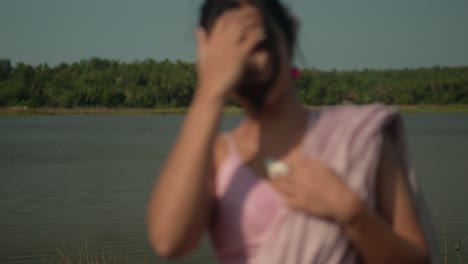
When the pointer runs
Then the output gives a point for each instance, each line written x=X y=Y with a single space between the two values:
x=150 y=84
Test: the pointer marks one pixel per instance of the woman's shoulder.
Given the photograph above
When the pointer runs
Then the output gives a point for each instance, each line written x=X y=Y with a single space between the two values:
x=347 y=110
x=223 y=148
x=355 y=120
x=351 y=114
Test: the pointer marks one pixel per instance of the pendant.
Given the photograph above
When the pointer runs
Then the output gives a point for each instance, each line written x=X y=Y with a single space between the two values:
x=276 y=168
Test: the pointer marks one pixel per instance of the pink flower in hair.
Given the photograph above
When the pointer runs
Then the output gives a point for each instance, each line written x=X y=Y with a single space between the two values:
x=295 y=73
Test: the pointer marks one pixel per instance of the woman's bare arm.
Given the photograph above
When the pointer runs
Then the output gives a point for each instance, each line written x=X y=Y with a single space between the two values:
x=394 y=235
x=180 y=205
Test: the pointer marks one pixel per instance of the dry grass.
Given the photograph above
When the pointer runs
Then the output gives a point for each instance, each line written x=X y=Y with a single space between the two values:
x=458 y=249
x=433 y=108
x=65 y=255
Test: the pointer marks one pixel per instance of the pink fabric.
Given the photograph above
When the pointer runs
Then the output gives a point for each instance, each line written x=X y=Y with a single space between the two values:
x=245 y=212
x=252 y=225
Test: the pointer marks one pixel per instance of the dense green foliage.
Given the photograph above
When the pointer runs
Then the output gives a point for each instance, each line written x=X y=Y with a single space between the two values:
x=107 y=83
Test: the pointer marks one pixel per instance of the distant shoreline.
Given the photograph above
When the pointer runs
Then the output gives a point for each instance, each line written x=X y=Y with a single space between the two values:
x=20 y=111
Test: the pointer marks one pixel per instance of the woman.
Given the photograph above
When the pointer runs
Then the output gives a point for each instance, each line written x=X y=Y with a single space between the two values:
x=344 y=191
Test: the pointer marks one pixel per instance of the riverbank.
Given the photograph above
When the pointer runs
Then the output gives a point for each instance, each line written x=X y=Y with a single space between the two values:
x=178 y=111
x=102 y=111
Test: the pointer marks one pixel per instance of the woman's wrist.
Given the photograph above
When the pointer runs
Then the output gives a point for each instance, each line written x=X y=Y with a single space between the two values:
x=209 y=94
x=352 y=209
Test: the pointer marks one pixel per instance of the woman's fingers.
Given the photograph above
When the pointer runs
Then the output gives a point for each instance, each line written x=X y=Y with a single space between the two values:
x=291 y=191
x=297 y=202
x=246 y=25
x=224 y=20
x=252 y=38
x=244 y=31
x=300 y=173
x=240 y=25
x=285 y=185
x=231 y=18
x=235 y=15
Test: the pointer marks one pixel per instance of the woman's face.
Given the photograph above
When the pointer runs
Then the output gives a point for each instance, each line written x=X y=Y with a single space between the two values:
x=261 y=84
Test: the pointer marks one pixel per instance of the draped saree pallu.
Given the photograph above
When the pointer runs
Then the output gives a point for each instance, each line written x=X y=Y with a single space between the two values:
x=253 y=225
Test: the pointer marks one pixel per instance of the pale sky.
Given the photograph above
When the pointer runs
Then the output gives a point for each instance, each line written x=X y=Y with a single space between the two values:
x=341 y=34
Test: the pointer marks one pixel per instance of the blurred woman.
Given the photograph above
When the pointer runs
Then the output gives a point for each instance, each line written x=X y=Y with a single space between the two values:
x=287 y=185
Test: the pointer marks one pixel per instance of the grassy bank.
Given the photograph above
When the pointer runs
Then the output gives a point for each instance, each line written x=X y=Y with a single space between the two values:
x=433 y=108
x=102 y=111
x=177 y=111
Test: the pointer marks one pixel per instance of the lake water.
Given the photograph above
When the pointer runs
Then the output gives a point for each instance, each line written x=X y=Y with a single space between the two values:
x=71 y=183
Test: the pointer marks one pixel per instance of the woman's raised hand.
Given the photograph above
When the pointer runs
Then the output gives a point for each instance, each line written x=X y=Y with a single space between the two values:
x=223 y=53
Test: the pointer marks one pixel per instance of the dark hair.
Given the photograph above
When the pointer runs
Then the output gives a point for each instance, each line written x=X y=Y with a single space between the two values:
x=272 y=11
x=275 y=16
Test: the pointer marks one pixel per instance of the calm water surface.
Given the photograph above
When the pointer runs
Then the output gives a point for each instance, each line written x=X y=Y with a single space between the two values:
x=68 y=183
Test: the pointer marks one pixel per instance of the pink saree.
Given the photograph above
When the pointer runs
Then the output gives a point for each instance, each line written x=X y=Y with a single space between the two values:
x=348 y=139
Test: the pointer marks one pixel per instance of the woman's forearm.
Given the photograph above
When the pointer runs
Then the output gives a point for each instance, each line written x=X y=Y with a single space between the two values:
x=180 y=204
x=376 y=242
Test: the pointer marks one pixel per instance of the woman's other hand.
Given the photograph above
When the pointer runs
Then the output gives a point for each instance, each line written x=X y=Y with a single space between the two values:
x=315 y=189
